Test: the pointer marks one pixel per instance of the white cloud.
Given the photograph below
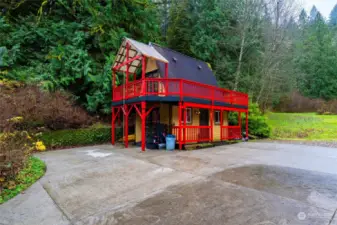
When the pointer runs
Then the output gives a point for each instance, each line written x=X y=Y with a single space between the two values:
x=324 y=6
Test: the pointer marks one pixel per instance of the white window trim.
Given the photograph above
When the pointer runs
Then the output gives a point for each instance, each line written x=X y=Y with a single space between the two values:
x=188 y=110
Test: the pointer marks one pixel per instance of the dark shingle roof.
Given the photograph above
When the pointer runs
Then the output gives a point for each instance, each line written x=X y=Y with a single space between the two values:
x=185 y=67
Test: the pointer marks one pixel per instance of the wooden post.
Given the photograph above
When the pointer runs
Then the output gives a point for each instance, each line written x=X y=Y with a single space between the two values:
x=221 y=124
x=180 y=127
x=211 y=121
x=143 y=117
x=126 y=126
x=112 y=126
x=185 y=121
x=127 y=65
x=247 y=124
x=166 y=78
x=240 y=123
x=143 y=90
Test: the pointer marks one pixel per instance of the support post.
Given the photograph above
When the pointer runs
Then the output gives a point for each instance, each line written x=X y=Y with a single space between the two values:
x=143 y=117
x=112 y=125
x=166 y=78
x=143 y=90
x=126 y=127
x=247 y=125
x=240 y=123
x=180 y=127
x=113 y=84
x=221 y=124
x=211 y=121
x=185 y=120
x=127 y=66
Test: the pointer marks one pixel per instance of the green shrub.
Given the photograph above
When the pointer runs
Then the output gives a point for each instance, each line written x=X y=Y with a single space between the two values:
x=78 y=137
x=257 y=123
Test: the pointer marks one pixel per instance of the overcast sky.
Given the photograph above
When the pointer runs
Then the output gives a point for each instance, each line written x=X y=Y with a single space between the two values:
x=324 y=6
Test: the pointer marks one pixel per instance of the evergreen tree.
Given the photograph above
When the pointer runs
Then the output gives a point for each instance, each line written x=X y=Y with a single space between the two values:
x=211 y=36
x=316 y=62
x=313 y=14
x=303 y=18
x=251 y=45
x=319 y=18
x=333 y=16
x=181 y=22
x=71 y=44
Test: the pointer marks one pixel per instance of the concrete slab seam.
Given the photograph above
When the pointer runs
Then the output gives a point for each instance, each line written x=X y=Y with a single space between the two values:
x=333 y=216
x=59 y=208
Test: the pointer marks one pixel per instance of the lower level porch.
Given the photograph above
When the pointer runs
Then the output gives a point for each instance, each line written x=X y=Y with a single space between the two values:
x=189 y=122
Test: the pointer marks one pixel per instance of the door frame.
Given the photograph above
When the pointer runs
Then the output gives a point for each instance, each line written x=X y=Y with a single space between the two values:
x=201 y=121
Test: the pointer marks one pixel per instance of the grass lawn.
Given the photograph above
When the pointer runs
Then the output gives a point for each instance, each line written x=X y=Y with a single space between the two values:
x=303 y=126
x=34 y=169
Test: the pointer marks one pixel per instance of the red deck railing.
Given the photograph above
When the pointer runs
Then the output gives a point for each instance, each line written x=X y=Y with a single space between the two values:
x=231 y=132
x=180 y=88
x=192 y=134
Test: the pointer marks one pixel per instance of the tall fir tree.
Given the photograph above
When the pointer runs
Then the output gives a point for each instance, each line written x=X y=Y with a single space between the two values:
x=313 y=14
x=72 y=44
x=333 y=16
x=181 y=22
x=303 y=18
x=316 y=61
x=251 y=45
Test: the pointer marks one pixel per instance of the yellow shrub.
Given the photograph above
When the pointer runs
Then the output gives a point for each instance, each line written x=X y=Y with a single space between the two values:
x=40 y=146
x=16 y=119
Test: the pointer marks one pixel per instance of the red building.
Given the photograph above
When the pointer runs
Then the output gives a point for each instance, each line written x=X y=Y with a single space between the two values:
x=164 y=87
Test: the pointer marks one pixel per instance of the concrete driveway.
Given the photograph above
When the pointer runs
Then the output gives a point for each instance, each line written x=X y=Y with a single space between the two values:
x=243 y=184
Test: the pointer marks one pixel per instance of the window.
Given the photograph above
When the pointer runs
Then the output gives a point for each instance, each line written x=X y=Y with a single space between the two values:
x=152 y=86
x=216 y=117
x=188 y=116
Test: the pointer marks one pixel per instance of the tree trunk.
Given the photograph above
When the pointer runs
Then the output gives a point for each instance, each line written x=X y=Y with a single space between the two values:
x=260 y=92
x=238 y=70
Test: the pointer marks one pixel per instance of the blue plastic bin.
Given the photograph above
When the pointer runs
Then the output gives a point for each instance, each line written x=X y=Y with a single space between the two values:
x=170 y=142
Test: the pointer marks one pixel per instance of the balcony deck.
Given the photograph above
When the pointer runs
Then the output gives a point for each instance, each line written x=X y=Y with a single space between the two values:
x=175 y=90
